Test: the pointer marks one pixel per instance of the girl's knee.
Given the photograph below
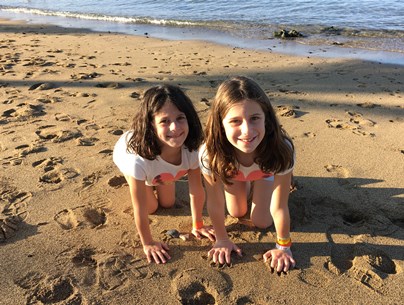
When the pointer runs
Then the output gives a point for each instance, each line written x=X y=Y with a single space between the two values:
x=153 y=209
x=239 y=212
x=167 y=204
x=262 y=224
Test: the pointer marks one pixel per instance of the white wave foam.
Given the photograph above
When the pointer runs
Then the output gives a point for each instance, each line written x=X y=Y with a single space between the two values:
x=118 y=19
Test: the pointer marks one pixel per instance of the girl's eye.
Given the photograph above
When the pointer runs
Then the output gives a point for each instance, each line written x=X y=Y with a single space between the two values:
x=163 y=122
x=235 y=122
x=181 y=118
x=255 y=118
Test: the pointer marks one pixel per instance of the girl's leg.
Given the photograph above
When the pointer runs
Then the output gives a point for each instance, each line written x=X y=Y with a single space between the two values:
x=236 y=198
x=151 y=199
x=261 y=201
x=166 y=195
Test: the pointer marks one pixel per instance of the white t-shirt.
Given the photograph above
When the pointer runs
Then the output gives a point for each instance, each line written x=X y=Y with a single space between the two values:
x=250 y=173
x=153 y=172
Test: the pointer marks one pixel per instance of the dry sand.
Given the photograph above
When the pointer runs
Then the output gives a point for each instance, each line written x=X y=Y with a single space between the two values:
x=67 y=233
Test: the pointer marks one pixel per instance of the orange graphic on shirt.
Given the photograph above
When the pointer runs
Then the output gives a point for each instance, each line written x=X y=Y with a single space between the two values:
x=168 y=178
x=254 y=175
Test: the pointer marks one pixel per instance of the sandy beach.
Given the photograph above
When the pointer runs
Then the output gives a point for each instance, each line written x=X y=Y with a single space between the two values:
x=67 y=234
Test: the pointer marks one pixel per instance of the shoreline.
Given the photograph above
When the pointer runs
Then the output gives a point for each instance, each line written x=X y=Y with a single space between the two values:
x=323 y=48
x=67 y=234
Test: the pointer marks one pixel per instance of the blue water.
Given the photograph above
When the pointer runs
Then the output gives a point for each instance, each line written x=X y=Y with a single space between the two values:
x=367 y=28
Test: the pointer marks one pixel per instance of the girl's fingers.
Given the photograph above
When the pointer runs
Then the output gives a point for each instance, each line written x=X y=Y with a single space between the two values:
x=161 y=256
x=224 y=256
x=293 y=262
x=280 y=265
x=156 y=257
x=165 y=253
x=149 y=257
x=267 y=256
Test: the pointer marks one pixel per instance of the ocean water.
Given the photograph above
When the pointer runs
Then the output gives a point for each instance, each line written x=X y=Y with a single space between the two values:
x=367 y=29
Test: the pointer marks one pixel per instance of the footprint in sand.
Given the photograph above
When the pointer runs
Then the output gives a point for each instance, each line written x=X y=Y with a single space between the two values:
x=90 y=180
x=42 y=86
x=109 y=85
x=339 y=124
x=86 y=141
x=48 y=164
x=52 y=177
x=24 y=112
x=340 y=171
x=63 y=117
x=50 y=290
x=21 y=152
x=49 y=100
x=286 y=110
x=314 y=277
x=111 y=273
x=13 y=210
x=24 y=150
x=85 y=263
x=88 y=125
x=108 y=271
x=202 y=286
x=117 y=181
x=59 y=136
x=358 y=118
x=82 y=216
x=363 y=262
x=356 y=124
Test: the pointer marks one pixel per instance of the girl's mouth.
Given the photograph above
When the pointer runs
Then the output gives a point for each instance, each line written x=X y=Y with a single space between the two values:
x=175 y=136
x=249 y=140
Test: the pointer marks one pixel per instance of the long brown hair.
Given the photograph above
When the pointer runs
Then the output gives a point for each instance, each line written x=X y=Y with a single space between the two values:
x=273 y=155
x=144 y=140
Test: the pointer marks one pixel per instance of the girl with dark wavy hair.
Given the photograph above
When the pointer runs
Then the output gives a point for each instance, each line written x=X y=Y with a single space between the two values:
x=162 y=147
x=245 y=143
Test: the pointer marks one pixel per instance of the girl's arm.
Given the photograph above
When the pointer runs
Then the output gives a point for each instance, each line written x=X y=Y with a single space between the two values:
x=282 y=260
x=154 y=250
x=197 y=200
x=223 y=247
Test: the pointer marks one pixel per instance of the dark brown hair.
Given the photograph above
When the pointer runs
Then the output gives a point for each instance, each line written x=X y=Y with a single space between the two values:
x=273 y=155
x=144 y=140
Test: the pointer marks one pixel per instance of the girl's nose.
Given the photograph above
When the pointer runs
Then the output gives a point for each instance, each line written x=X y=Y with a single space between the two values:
x=173 y=125
x=245 y=127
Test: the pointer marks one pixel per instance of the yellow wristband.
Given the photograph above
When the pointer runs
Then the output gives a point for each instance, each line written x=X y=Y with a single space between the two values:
x=283 y=241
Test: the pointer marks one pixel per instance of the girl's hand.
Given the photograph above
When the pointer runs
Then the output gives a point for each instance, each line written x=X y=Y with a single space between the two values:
x=156 y=251
x=221 y=251
x=206 y=231
x=281 y=260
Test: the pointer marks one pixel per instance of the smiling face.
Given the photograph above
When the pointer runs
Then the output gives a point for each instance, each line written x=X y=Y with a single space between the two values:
x=171 y=126
x=244 y=125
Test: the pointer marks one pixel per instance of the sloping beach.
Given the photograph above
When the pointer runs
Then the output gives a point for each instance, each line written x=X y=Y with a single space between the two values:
x=67 y=231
